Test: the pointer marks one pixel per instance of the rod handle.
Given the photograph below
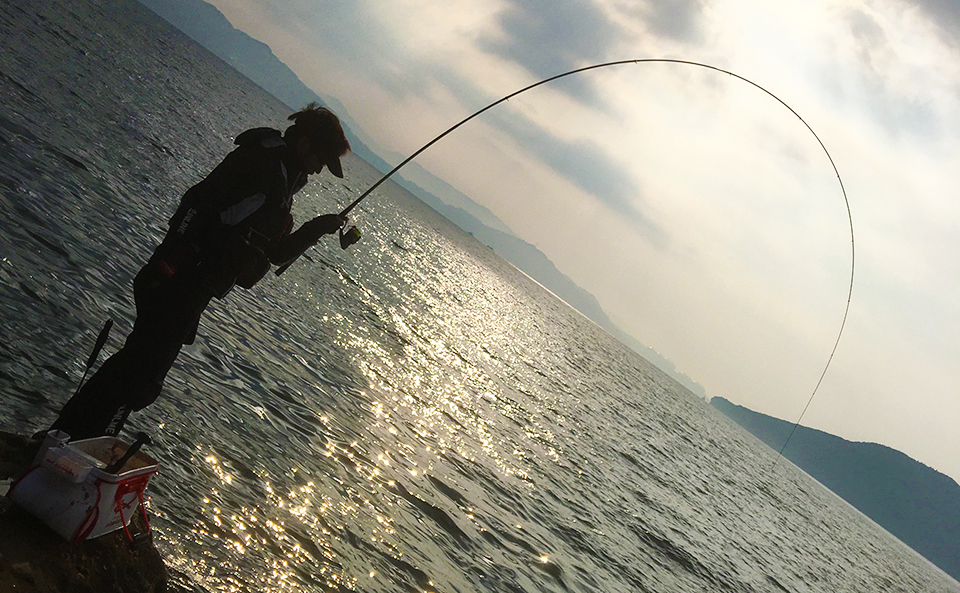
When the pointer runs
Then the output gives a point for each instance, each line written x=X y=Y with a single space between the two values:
x=101 y=340
x=116 y=466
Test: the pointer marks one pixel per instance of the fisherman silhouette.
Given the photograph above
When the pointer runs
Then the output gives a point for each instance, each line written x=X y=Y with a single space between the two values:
x=227 y=231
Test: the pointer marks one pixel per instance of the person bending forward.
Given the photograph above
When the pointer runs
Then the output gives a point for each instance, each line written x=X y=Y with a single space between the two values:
x=226 y=232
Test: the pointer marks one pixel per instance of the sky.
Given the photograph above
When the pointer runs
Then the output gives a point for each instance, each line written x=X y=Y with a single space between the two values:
x=703 y=215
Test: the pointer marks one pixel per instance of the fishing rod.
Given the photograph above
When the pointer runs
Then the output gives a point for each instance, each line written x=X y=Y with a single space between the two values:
x=95 y=353
x=353 y=235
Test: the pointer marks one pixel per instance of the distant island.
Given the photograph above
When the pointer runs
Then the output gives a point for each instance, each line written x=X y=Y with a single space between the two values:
x=916 y=503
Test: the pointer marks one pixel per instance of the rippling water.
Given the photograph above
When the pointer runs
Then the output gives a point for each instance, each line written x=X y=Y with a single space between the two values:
x=410 y=415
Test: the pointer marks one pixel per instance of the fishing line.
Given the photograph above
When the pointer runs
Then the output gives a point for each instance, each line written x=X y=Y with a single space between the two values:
x=846 y=202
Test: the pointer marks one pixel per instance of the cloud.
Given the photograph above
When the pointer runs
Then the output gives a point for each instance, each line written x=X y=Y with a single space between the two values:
x=548 y=37
x=679 y=20
x=867 y=31
x=582 y=161
x=945 y=13
x=675 y=19
x=586 y=164
x=899 y=96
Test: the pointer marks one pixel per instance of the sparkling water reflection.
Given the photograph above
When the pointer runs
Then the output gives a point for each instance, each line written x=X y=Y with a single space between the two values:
x=409 y=415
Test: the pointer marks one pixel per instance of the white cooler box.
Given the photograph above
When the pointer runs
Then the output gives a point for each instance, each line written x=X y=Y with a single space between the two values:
x=68 y=489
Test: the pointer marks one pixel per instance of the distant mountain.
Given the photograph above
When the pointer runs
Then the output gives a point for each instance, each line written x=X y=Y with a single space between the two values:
x=916 y=503
x=427 y=186
x=207 y=26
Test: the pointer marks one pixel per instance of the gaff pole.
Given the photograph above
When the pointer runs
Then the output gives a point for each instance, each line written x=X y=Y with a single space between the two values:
x=843 y=190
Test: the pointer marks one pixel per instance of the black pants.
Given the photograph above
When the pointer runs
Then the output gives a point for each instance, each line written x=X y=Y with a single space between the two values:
x=168 y=312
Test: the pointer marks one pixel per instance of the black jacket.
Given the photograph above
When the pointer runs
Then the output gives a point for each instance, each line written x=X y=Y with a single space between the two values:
x=233 y=224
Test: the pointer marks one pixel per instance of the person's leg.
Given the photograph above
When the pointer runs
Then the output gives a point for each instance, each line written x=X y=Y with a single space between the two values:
x=89 y=411
x=131 y=379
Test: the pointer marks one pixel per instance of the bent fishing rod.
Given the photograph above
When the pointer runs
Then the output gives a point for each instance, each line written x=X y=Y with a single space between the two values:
x=353 y=235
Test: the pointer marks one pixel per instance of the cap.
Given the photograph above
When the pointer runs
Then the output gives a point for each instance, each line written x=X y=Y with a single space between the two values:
x=333 y=164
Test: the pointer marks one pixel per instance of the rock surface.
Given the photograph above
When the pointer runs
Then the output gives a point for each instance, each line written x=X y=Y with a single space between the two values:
x=34 y=559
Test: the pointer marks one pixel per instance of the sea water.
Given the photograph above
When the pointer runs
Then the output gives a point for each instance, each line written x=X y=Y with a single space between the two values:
x=412 y=414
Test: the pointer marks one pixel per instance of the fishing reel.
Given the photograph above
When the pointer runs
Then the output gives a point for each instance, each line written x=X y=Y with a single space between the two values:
x=348 y=238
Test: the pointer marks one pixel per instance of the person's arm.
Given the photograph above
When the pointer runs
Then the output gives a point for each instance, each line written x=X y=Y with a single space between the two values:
x=305 y=237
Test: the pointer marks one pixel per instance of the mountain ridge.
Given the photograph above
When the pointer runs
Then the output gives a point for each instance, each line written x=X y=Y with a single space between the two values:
x=914 y=502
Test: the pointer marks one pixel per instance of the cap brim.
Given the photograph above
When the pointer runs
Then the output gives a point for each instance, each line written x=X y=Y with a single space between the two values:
x=333 y=163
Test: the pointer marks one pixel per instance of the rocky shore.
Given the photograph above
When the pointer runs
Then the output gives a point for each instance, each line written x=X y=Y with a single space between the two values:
x=34 y=559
